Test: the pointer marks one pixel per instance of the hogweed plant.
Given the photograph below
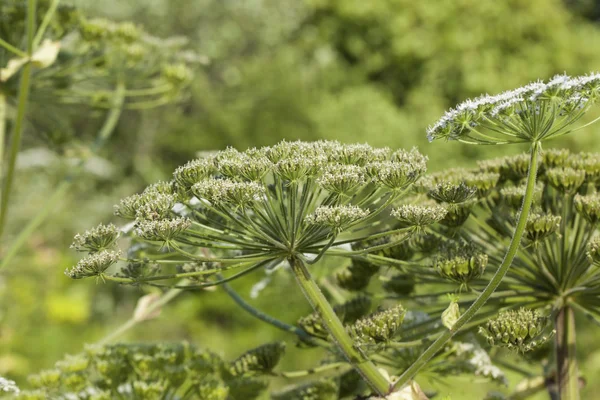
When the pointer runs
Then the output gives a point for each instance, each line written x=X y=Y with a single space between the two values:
x=524 y=225
x=73 y=65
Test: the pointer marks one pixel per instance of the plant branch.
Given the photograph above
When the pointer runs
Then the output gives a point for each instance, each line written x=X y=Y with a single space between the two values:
x=494 y=282
x=359 y=361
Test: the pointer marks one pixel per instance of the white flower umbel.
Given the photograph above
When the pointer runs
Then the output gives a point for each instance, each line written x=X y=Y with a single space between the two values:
x=534 y=112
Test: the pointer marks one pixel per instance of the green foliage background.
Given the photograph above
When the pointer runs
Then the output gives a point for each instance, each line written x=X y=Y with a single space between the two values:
x=374 y=71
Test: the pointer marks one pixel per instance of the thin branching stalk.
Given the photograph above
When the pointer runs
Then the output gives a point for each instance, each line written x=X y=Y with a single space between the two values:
x=359 y=361
x=494 y=282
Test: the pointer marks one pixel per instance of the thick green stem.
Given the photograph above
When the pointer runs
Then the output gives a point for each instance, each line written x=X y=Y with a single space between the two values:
x=494 y=282
x=20 y=119
x=359 y=361
x=566 y=361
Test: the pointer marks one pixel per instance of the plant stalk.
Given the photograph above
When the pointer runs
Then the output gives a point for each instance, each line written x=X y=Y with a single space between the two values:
x=494 y=282
x=567 y=375
x=359 y=361
x=24 y=87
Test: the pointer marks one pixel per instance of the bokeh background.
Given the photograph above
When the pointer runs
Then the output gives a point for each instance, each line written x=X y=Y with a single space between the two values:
x=377 y=71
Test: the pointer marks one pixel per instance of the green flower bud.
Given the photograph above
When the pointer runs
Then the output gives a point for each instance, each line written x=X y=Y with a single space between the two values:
x=587 y=162
x=223 y=192
x=554 y=158
x=93 y=265
x=588 y=207
x=566 y=180
x=457 y=214
x=395 y=175
x=357 y=276
x=99 y=238
x=357 y=154
x=235 y=165
x=513 y=195
x=154 y=206
x=212 y=388
x=94 y=30
x=484 y=182
x=259 y=360
x=336 y=217
x=177 y=74
x=127 y=31
x=419 y=216
x=342 y=179
x=460 y=262
x=593 y=251
x=193 y=172
x=379 y=327
x=353 y=309
x=540 y=226
x=50 y=378
x=296 y=168
x=522 y=330
x=163 y=230
x=246 y=387
x=313 y=325
x=453 y=193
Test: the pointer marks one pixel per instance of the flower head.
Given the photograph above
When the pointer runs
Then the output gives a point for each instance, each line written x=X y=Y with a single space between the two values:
x=93 y=265
x=522 y=330
x=96 y=239
x=533 y=112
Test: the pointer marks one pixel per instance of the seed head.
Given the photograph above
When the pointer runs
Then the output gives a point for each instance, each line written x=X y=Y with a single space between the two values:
x=99 y=238
x=566 y=180
x=513 y=195
x=484 y=182
x=593 y=251
x=522 y=330
x=251 y=166
x=357 y=154
x=93 y=265
x=295 y=168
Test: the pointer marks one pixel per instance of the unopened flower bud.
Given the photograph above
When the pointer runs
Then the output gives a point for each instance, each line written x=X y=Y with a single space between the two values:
x=163 y=230
x=395 y=175
x=522 y=330
x=93 y=265
x=379 y=327
x=261 y=359
x=540 y=226
x=336 y=217
x=193 y=172
x=342 y=179
x=99 y=238
x=566 y=180
x=588 y=207
x=419 y=216
x=460 y=263
x=223 y=192
x=453 y=193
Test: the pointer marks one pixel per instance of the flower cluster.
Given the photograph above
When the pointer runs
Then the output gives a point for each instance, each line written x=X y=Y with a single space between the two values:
x=522 y=330
x=156 y=371
x=534 y=112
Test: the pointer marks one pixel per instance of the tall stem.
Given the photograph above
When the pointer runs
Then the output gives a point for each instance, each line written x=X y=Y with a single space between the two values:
x=3 y=117
x=20 y=119
x=566 y=361
x=359 y=361
x=494 y=282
